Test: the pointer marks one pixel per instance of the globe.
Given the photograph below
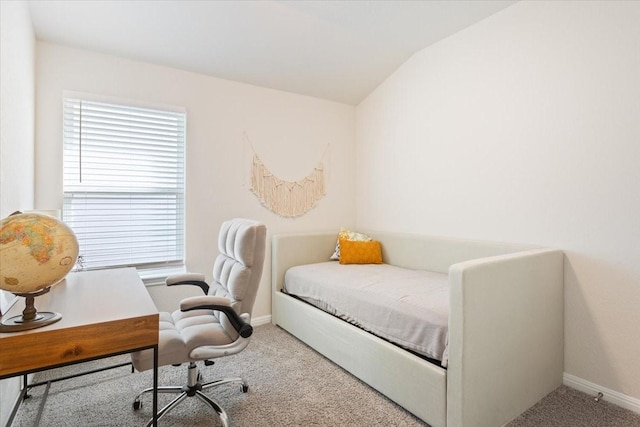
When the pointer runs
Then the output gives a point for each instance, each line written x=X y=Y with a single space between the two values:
x=36 y=252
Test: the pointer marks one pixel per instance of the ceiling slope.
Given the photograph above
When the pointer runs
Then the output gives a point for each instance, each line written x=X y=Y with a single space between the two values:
x=336 y=50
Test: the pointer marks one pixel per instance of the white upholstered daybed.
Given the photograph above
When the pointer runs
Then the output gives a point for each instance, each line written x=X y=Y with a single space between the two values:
x=505 y=329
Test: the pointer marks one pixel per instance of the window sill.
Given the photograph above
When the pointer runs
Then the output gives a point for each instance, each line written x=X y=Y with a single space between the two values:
x=157 y=276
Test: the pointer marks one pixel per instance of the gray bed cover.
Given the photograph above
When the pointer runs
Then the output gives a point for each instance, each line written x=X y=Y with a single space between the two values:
x=407 y=307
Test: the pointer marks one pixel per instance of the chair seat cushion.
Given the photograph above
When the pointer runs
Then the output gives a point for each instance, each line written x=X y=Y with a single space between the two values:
x=180 y=333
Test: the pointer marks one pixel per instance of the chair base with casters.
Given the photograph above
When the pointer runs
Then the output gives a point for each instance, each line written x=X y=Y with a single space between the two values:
x=193 y=388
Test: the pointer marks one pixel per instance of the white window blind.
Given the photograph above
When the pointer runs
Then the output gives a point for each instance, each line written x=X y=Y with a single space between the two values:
x=124 y=184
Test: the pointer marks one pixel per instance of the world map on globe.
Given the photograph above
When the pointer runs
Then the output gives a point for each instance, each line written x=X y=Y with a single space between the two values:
x=36 y=251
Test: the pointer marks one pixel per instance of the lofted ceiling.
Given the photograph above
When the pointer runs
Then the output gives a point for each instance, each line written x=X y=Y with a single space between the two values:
x=336 y=50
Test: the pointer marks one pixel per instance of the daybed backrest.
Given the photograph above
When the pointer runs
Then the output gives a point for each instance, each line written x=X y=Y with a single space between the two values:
x=435 y=253
x=288 y=250
x=400 y=249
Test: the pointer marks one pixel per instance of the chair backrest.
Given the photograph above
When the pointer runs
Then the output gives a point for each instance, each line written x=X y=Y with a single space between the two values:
x=238 y=268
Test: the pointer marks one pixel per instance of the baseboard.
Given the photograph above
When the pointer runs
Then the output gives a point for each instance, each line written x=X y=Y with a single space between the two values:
x=262 y=320
x=609 y=395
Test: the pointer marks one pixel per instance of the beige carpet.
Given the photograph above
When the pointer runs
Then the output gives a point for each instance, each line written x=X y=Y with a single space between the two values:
x=290 y=385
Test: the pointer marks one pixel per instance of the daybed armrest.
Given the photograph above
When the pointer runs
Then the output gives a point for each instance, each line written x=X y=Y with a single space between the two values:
x=222 y=304
x=196 y=279
x=505 y=335
x=288 y=250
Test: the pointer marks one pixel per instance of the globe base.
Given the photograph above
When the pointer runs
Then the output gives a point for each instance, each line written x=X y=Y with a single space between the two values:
x=31 y=318
x=18 y=323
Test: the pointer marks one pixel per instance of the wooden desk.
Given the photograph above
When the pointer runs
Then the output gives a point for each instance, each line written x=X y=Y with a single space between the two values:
x=104 y=313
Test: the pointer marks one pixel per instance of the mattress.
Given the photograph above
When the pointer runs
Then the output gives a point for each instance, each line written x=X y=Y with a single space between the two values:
x=409 y=308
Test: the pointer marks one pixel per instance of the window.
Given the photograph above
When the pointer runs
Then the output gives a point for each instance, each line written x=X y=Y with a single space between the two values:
x=124 y=184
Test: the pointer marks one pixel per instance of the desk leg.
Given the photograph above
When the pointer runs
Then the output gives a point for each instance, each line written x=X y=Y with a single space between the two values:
x=155 y=386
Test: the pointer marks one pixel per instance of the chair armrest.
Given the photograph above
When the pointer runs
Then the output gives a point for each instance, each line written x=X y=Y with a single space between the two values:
x=196 y=279
x=222 y=304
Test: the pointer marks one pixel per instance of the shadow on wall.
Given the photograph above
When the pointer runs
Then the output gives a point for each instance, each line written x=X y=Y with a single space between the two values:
x=599 y=322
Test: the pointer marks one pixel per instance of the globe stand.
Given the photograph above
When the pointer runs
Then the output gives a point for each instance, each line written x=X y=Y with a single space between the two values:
x=31 y=318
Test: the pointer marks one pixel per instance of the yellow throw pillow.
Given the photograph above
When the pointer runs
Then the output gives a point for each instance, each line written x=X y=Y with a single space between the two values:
x=352 y=252
x=348 y=235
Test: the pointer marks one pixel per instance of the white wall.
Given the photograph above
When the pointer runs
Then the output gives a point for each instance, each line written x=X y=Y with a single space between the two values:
x=17 y=54
x=525 y=128
x=17 y=106
x=290 y=132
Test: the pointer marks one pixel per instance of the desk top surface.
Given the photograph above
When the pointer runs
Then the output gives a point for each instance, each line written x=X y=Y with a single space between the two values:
x=89 y=297
x=103 y=312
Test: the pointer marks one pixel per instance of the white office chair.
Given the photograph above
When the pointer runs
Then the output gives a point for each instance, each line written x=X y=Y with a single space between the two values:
x=215 y=324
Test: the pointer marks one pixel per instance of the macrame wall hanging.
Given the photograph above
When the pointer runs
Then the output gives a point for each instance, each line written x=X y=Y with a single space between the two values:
x=286 y=198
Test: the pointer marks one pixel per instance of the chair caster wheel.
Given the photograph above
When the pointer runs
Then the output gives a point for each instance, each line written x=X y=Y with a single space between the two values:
x=245 y=388
x=137 y=405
